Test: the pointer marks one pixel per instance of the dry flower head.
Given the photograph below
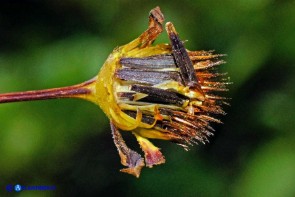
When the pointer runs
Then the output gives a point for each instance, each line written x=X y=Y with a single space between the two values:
x=161 y=91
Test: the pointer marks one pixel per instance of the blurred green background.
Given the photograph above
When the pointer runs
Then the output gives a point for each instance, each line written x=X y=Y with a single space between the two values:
x=68 y=143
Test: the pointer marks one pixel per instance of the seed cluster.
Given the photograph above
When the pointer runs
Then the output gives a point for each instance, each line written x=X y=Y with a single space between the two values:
x=164 y=92
x=181 y=85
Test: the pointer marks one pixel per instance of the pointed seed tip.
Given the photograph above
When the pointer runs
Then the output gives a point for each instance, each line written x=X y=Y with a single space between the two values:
x=170 y=28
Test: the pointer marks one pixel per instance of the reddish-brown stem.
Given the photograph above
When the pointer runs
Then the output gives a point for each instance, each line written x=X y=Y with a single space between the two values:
x=74 y=91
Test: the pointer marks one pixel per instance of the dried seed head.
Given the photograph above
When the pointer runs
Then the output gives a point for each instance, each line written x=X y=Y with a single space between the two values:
x=160 y=92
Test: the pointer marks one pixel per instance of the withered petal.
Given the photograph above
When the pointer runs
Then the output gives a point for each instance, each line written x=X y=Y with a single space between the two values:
x=153 y=155
x=129 y=158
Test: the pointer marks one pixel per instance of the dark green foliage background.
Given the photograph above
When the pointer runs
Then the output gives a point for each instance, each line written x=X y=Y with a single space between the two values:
x=68 y=143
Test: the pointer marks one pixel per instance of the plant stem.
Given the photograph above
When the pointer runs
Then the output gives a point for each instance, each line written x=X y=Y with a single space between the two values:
x=75 y=91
